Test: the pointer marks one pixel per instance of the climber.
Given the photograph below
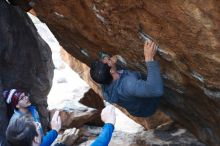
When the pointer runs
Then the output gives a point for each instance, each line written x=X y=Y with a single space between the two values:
x=138 y=94
x=108 y=117
x=25 y=132
x=19 y=101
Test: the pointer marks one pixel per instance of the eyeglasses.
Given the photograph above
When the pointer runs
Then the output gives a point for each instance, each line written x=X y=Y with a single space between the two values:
x=25 y=96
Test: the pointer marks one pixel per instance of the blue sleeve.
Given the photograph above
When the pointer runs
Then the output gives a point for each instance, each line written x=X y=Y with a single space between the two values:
x=49 y=138
x=105 y=136
x=152 y=87
x=36 y=117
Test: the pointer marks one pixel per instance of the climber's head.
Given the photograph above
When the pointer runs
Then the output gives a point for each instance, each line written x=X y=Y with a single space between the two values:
x=23 y=132
x=100 y=72
x=17 y=98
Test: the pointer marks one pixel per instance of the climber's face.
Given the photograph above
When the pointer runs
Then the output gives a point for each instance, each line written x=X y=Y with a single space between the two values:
x=23 y=101
x=110 y=61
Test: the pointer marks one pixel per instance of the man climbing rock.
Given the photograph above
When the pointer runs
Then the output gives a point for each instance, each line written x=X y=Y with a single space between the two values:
x=140 y=96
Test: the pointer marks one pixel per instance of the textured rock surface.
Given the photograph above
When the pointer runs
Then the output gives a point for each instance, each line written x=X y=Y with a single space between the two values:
x=187 y=31
x=173 y=137
x=68 y=137
x=25 y=60
x=74 y=114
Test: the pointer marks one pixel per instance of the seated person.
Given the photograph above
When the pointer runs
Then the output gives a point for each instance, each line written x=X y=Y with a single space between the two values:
x=23 y=131
x=108 y=117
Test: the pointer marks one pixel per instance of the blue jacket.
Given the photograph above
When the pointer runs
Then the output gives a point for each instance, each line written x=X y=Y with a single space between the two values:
x=105 y=136
x=139 y=96
x=49 y=138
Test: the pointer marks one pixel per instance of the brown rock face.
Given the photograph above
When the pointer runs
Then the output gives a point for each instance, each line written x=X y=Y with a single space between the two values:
x=187 y=32
x=76 y=116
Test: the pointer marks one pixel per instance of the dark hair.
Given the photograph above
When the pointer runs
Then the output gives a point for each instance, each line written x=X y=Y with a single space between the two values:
x=100 y=72
x=21 y=132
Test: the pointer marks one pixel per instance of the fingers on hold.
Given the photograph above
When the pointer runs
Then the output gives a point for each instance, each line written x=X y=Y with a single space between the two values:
x=56 y=113
x=55 y=116
x=59 y=119
x=146 y=43
x=154 y=45
x=77 y=132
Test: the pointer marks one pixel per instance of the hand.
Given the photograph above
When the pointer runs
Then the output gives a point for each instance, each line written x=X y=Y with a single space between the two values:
x=149 y=50
x=56 y=122
x=108 y=114
x=114 y=59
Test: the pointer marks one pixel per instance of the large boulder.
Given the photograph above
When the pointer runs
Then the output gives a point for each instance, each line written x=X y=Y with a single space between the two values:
x=188 y=35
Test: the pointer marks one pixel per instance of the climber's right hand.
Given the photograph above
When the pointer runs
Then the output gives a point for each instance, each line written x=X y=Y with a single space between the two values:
x=150 y=49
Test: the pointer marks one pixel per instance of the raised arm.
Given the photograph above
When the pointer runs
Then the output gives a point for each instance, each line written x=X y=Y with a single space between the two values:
x=49 y=138
x=153 y=86
x=108 y=116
